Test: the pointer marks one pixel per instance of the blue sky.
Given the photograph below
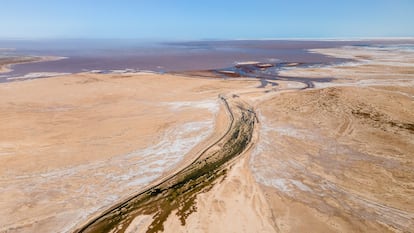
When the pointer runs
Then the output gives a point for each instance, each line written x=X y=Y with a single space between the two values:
x=208 y=19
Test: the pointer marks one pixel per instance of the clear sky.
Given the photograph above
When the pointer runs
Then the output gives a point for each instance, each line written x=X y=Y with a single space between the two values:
x=207 y=19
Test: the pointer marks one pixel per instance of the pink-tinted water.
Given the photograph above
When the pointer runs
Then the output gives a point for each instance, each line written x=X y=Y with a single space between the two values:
x=86 y=55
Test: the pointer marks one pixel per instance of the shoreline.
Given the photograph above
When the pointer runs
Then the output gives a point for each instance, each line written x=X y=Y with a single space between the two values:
x=7 y=67
x=309 y=49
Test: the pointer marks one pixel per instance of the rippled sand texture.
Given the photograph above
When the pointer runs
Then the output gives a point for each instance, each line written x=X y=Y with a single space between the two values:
x=341 y=158
x=74 y=145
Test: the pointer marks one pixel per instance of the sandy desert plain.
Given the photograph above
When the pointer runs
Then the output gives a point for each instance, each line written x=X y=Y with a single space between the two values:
x=145 y=152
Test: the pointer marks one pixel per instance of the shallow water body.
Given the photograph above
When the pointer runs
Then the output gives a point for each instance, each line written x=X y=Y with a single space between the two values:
x=107 y=54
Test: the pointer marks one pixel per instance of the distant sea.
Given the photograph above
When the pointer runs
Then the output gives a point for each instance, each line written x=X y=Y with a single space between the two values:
x=105 y=54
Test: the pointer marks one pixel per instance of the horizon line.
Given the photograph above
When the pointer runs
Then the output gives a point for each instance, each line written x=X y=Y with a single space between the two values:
x=219 y=39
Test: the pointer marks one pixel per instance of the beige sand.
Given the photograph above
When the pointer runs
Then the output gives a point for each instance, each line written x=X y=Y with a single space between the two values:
x=339 y=159
x=331 y=160
x=75 y=144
